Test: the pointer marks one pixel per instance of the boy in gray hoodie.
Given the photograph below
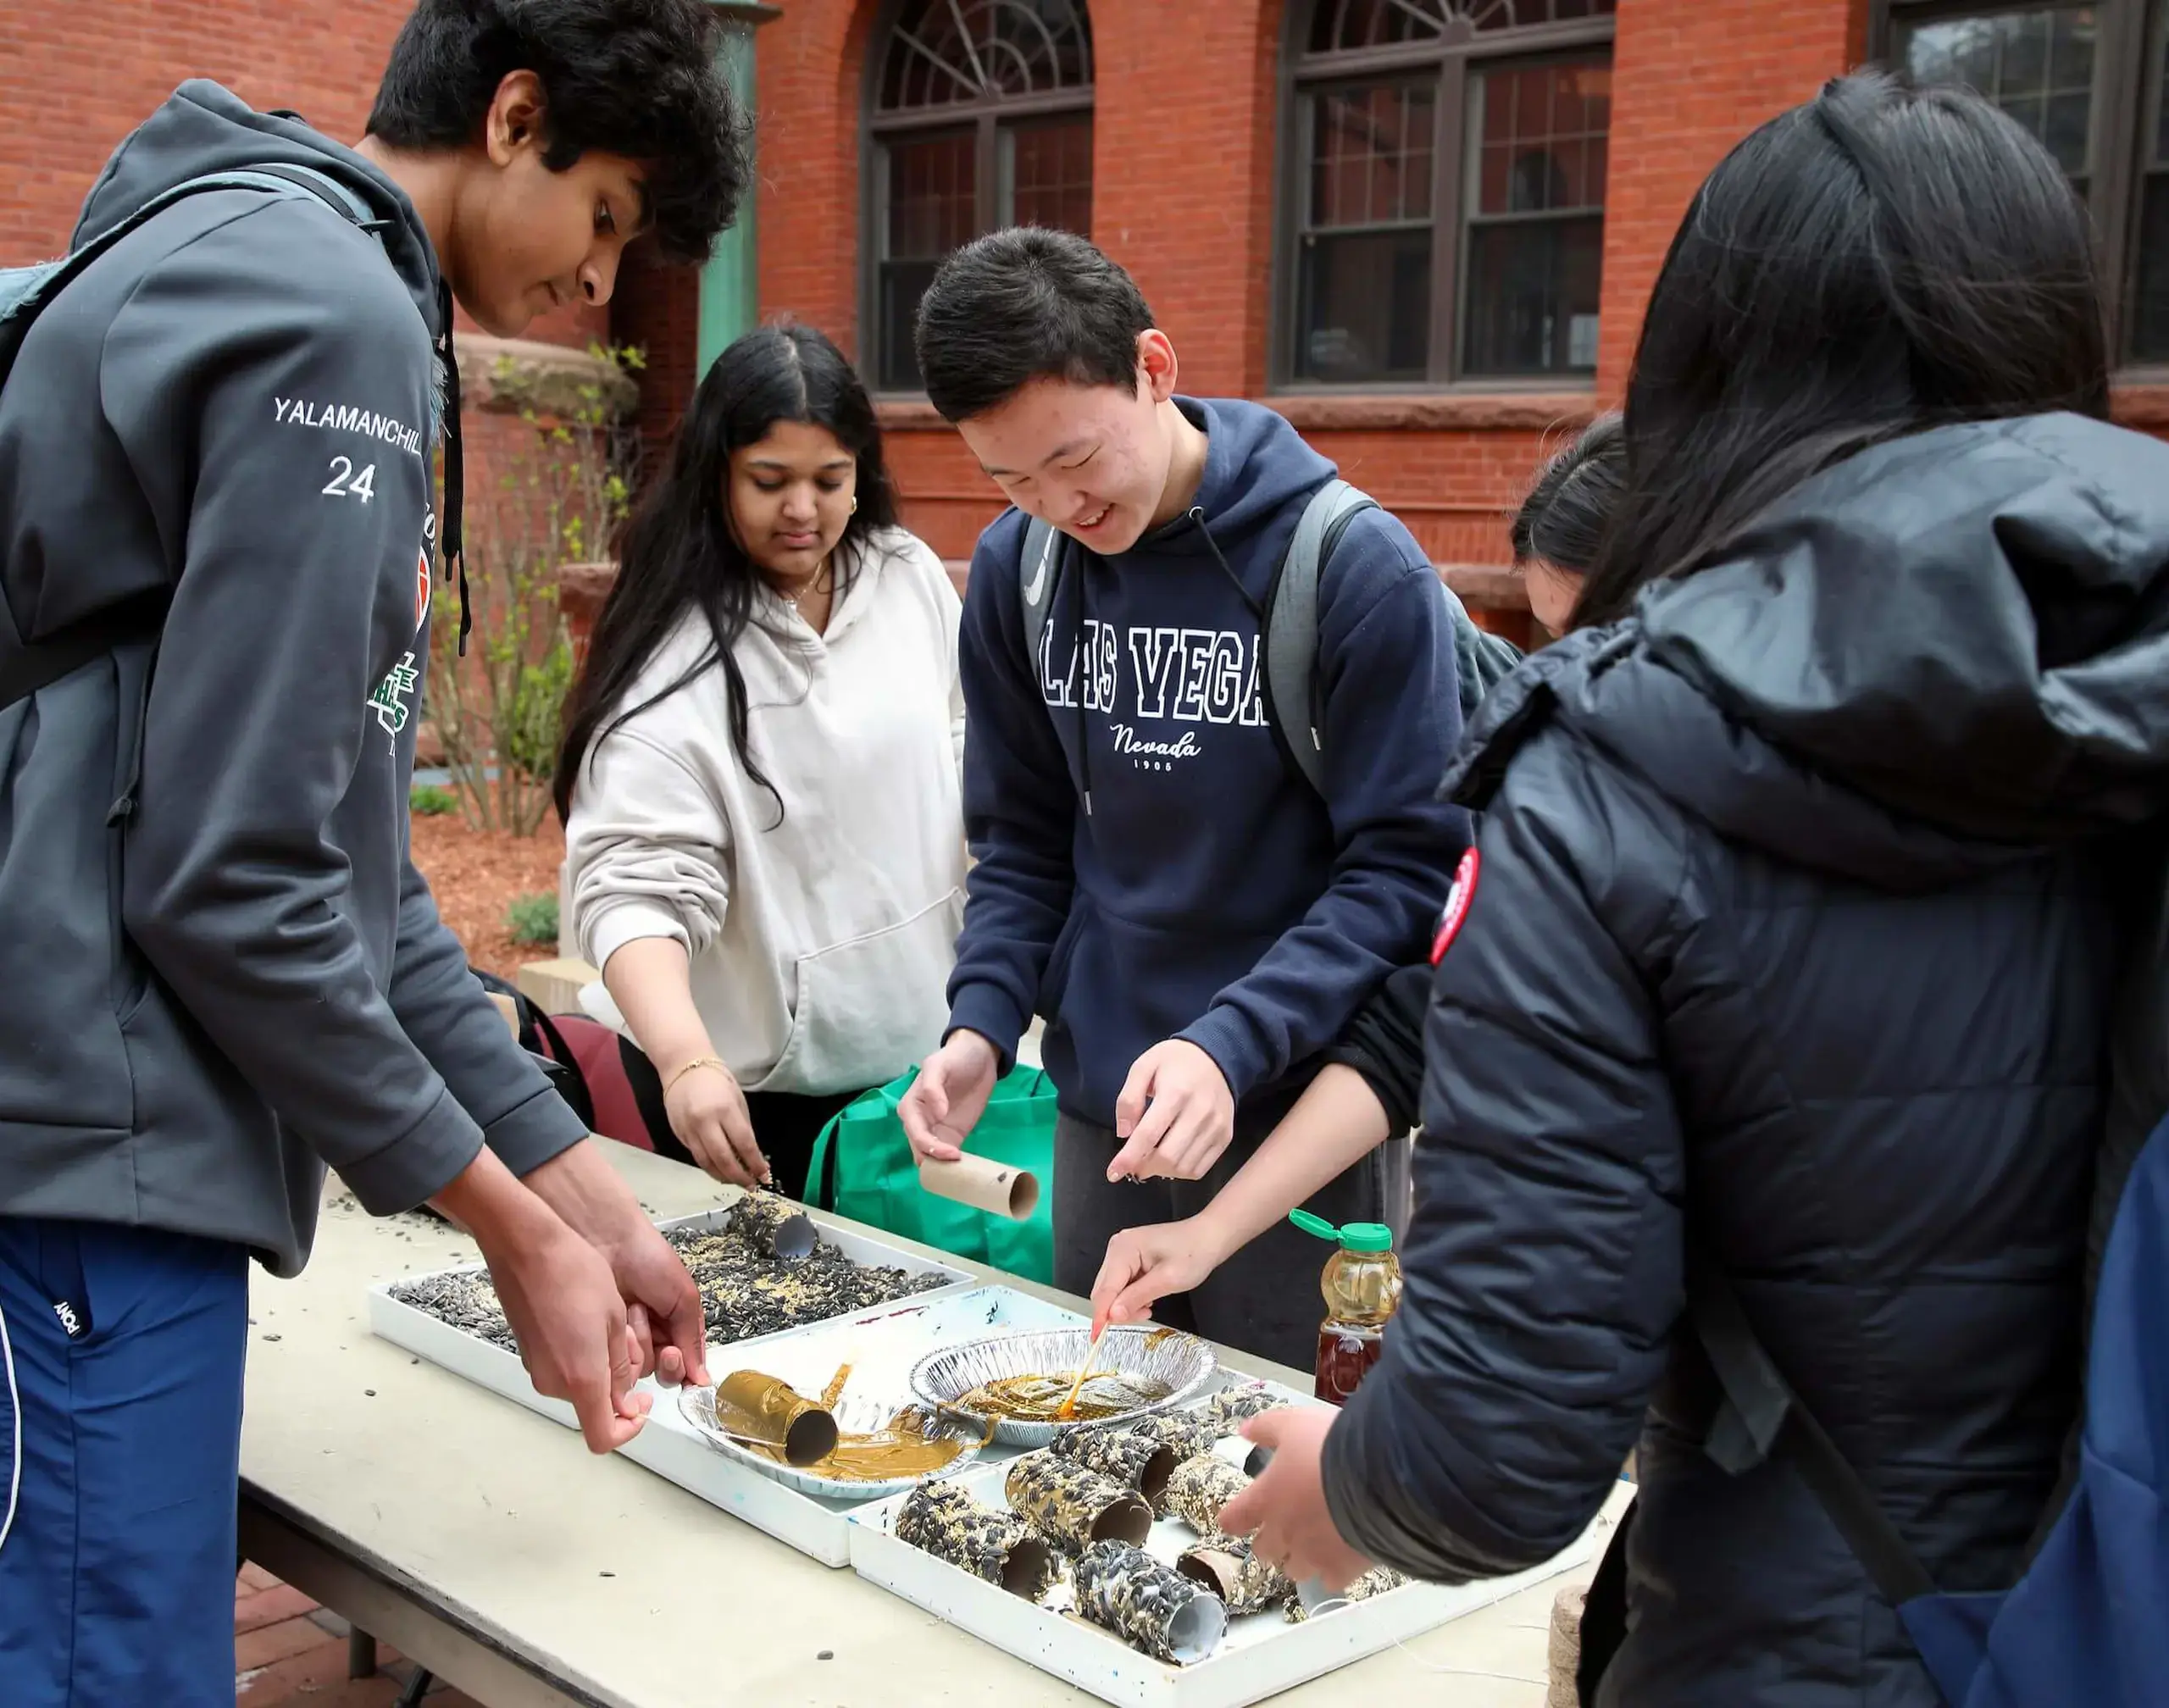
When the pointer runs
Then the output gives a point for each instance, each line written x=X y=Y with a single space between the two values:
x=219 y=970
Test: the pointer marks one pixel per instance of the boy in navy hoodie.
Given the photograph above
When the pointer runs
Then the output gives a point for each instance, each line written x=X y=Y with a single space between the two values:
x=218 y=970
x=1154 y=877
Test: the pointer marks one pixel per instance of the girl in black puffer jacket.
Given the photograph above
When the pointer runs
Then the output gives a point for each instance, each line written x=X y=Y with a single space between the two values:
x=1795 y=936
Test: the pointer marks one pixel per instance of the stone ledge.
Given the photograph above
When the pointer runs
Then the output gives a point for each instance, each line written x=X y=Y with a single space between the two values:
x=908 y=415
x=1455 y=412
x=2143 y=404
x=508 y=375
x=1482 y=587
x=582 y=588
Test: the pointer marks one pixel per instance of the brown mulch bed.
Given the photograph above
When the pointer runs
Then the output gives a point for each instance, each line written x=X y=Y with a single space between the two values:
x=476 y=875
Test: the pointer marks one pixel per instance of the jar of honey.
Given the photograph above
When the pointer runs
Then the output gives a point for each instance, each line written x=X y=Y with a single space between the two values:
x=1361 y=1285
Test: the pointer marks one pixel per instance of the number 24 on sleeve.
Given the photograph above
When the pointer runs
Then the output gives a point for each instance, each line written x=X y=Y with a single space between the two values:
x=347 y=484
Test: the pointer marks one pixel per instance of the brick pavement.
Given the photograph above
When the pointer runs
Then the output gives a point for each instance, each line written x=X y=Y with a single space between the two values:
x=288 y=1650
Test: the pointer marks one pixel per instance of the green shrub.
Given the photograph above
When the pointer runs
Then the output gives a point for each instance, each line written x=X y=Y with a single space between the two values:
x=533 y=920
x=430 y=801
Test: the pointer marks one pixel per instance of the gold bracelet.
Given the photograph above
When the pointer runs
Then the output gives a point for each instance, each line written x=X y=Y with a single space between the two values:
x=716 y=1062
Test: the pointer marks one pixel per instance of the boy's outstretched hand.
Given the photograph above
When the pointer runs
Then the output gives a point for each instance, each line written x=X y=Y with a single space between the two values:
x=949 y=1095
x=1175 y=1116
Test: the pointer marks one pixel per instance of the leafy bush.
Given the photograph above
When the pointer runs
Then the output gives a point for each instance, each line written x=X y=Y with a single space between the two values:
x=533 y=920
x=555 y=499
x=427 y=801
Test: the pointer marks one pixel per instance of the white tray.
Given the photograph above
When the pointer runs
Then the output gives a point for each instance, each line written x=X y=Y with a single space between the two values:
x=881 y=1344
x=668 y=1445
x=1262 y=1655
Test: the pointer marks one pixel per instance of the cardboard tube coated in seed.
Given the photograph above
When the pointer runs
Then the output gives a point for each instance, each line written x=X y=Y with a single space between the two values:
x=999 y=1547
x=777 y=1227
x=1072 y=1506
x=766 y=1409
x=985 y=1184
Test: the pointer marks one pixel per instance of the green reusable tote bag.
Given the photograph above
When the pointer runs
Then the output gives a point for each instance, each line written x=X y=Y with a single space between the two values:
x=862 y=1167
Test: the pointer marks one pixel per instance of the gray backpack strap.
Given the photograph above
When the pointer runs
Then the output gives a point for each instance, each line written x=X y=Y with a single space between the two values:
x=1291 y=627
x=1036 y=567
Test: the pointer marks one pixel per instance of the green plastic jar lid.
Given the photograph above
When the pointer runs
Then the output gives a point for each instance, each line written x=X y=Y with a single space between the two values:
x=1356 y=1236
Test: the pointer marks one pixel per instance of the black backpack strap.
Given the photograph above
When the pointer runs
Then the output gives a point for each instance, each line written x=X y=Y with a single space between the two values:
x=31 y=665
x=1762 y=1419
x=27 y=666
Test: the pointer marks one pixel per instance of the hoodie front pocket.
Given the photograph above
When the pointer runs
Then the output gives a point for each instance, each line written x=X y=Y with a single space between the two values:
x=66 y=964
x=871 y=1008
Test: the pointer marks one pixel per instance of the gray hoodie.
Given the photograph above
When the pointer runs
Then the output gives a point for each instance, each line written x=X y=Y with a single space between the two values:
x=219 y=969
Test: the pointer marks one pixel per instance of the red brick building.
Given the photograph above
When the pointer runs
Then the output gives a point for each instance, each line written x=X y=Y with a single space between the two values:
x=1422 y=228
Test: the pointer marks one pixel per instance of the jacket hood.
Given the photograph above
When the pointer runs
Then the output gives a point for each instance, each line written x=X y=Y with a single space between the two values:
x=1255 y=464
x=1943 y=653
x=205 y=128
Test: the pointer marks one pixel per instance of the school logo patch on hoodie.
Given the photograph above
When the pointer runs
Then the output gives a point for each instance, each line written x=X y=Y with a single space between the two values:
x=390 y=702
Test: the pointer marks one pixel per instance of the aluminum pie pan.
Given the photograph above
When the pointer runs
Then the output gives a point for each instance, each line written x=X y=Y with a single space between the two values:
x=1182 y=1363
x=854 y=1416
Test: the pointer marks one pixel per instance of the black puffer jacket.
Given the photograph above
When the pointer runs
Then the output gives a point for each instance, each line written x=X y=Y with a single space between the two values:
x=1797 y=927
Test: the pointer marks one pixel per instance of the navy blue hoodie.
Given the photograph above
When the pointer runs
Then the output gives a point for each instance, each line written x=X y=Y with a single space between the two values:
x=1208 y=894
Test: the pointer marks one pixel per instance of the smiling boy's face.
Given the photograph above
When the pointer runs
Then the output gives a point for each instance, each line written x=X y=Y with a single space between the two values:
x=1090 y=460
x=530 y=240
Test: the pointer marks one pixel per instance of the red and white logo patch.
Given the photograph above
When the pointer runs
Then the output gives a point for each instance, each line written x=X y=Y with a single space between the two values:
x=421 y=589
x=1456 y=908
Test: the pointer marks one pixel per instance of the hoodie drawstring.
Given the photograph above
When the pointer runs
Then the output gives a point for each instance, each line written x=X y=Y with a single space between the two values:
x=1197 y=516
x=455 y=474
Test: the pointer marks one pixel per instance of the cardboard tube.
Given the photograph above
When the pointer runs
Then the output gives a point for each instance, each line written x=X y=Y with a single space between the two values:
x=1072 y=1506
x=994 y=1187
x=766 y=1409
x=1226 y=1566
x=999 y=1547
x=777 y=1227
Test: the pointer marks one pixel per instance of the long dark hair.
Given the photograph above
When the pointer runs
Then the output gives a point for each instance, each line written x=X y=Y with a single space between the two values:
x=679 y=553
x=1575 y=498
x=1880 y=261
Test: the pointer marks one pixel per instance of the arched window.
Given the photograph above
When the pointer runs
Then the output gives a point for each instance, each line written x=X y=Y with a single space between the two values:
x=979 y=115
x=1445 y=202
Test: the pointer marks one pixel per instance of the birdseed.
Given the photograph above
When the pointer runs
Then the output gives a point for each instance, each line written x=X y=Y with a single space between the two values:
x=997 y=1546
x=743 y=1293
x=1127 y=1591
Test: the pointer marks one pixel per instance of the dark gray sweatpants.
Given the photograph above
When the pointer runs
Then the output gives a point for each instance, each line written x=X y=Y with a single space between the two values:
x=1264 y=1300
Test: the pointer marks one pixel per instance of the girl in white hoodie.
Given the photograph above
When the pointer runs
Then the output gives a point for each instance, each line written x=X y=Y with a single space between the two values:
x=759 y=780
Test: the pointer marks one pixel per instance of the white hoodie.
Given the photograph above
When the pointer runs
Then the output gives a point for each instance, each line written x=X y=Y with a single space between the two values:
x=821 y=945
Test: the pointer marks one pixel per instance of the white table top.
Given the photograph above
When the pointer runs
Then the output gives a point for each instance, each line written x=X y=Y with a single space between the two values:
x=620 y=1584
